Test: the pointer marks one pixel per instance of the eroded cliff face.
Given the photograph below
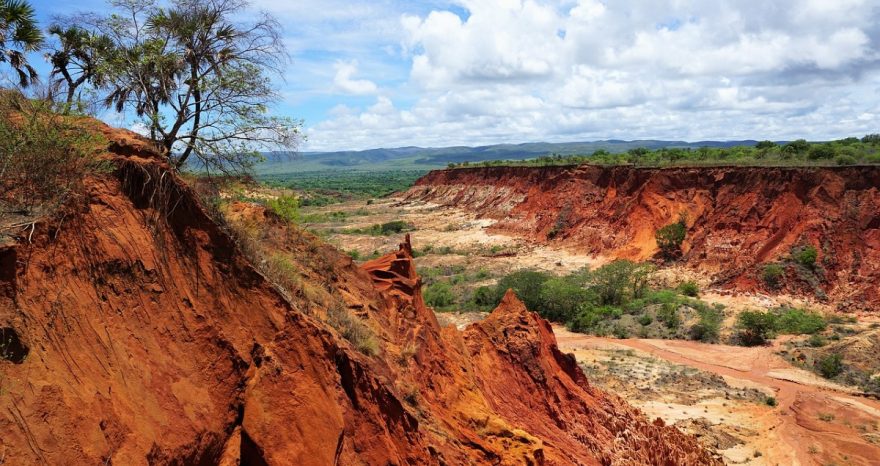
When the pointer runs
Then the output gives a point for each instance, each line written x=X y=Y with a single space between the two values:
x=738 y=218
x=135 y=332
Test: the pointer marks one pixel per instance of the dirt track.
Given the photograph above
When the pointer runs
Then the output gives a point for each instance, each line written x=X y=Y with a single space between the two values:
x=815 y=422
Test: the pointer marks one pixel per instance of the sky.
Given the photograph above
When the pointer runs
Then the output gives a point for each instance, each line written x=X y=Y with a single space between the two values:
x=435 y=73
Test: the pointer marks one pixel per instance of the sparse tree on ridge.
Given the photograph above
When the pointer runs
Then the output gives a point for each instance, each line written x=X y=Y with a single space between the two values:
x=198 y=78
x=19 y=34
x=77 y=58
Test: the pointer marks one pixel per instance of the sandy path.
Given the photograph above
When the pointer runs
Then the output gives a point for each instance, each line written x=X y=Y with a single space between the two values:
x=799 y=430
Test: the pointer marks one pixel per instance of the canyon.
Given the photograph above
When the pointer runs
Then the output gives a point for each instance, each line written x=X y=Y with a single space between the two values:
x=738 y=219
x=137 y=330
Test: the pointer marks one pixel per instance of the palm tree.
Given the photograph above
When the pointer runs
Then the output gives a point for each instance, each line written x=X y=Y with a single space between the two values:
x=78 y=57
x=19 y=34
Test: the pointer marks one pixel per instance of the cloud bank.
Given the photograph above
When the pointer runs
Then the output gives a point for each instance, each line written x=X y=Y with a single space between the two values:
x=490 y=71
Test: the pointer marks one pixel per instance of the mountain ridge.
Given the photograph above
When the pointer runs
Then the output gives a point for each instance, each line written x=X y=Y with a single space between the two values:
x=415 y=157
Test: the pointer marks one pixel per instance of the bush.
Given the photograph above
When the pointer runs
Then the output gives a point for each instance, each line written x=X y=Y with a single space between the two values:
x=591 y=317
x=44 y=157
x=616 y=283
x=527 y=286
x=485 y=297
x=821 y=152
x=646 y=320
x=561 y=298
x=689 y=288
x=845 y=160
x=755 y=328
x=798 y=322
x=806 y=256
x=770 y=401
x=816 y=341
x=668 y=314
x=286 y=207
x=830 y=366
x=394 y=227
x=708 y=328
x=797 y=147
x=772 y=274
x=439 y=295
x=670 y=238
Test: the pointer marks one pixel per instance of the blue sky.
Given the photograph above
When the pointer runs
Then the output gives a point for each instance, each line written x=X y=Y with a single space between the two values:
x=389 y=73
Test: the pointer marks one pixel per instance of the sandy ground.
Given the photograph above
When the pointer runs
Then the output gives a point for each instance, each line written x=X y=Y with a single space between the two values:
x=815 y=421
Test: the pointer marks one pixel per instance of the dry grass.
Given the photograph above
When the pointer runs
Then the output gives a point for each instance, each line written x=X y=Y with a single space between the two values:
x=353 y=329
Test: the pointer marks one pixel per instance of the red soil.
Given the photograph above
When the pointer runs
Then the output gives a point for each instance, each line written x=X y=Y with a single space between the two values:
x=738 y=218
x=141 y=335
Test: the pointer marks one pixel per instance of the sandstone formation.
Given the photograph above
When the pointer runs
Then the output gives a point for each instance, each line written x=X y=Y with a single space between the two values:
x=136 y=332
x=738 y=218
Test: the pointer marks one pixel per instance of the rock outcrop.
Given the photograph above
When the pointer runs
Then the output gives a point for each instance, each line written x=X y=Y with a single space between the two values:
x=738 y=218
x=134 y=331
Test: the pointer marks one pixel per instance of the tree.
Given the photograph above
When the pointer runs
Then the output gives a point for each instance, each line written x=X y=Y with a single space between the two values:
x=561 y=299
x=527 y=286
x=670 y=237
x=830 y=365
x=764 y=145
x=77 y=58
x=19 y=34
x=796 y=147
x=755 y=327
x=616 y=283
x=871 y=139
x=198 y=79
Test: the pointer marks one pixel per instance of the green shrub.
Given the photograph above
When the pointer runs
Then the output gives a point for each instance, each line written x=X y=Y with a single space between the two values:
x=845 y=160
x=44 y=157
x=821 y=152
x=770 y=401
x=689 y=288
x=708 y=328
x=798 y=322
x=286 y=207
x=439 y=295
x=618 y=282
x=590 y=318
x=816 y=341
x=620 y=332
x=671 y=237
x=527 y=286
x=830 y=366
x=485 y=297
x=796 y=147
x=646 y=320
x=668 y=314
x=755 y=328
x=394 y=227
x=772 y=275
x=806 y=256
x=561 y=298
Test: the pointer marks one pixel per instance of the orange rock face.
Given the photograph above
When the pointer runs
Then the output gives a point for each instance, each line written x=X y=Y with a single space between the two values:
x=135 y=332
x=738 y=218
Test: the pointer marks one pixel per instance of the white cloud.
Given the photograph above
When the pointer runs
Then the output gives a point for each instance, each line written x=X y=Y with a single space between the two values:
x=344 y=80
x=487 y=71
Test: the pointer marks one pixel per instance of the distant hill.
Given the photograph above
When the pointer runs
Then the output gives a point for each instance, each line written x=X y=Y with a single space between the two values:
x=409 y=158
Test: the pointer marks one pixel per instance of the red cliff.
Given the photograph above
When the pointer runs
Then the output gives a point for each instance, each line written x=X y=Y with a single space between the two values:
x=136 y=332
x=738 y=218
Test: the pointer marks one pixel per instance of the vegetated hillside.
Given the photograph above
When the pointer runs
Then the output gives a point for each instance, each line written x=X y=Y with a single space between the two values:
x=429 y=157
x=739 y=220
x=136 y=331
